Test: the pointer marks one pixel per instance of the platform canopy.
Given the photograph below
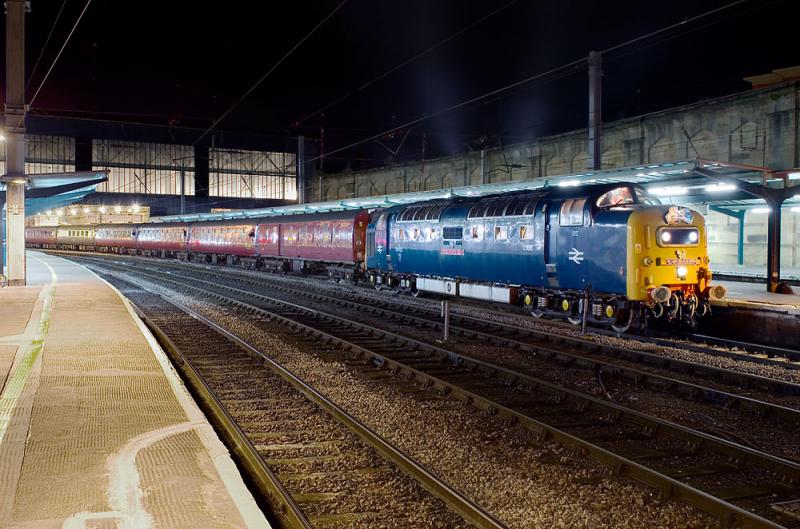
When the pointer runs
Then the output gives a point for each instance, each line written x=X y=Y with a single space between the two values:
x=54 y=190
x=685 y=181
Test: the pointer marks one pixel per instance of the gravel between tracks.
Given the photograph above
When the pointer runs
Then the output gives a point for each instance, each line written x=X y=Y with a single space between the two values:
x=524 y=485
x=527 y=322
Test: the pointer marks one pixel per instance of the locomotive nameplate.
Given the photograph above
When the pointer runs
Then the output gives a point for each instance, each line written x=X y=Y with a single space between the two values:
x=452 y=251
x=672 y=261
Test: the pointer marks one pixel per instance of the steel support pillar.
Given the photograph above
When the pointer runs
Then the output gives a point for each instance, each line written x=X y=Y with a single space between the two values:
x=15 y=140
x=83 y=154
x=595 y=110
x=201 y=171
x=774 y=244
x=301 y=170
x=738 y=214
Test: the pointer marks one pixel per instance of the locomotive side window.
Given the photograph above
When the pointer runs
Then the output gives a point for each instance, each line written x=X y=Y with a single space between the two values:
x=476 y=232
x=572 y=212
x=501 y=233
x=526 y=232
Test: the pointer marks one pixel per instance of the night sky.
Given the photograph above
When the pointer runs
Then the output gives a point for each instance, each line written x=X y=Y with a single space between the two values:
x=185 y=63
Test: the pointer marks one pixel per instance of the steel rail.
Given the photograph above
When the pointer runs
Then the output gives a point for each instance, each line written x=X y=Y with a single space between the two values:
x=682 y=388
x=269 y=487
x=750 y=352
x=454 y=499
x=728 y=514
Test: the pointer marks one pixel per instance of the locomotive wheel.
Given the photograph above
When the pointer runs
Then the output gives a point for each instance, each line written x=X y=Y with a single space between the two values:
x=623 y=321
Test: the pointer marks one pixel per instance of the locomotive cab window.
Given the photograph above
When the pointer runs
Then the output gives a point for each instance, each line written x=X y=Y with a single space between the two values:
x=620 y=196
x=571 y=213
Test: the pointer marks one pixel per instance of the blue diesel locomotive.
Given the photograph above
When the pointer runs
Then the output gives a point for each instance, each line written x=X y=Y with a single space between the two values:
x=611 y=251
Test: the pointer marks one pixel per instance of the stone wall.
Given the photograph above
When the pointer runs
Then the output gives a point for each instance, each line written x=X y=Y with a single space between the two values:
x=759 y=127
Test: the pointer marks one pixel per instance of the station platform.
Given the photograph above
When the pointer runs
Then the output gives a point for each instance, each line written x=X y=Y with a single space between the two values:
x=96 y=428
x=754 y=296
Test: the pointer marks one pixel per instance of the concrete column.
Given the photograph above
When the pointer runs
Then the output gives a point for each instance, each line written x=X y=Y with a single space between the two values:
x=595 y=108
x=201 y=171
x=15 y=140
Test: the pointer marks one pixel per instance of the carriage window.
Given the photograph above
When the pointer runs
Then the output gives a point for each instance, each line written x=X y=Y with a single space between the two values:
x=526 y=232
x=572 y=212
x=616 y=197
x=501 y=233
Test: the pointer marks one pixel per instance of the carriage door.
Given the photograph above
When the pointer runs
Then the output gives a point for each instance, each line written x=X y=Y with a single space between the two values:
x=550 y=244
x=377 y=243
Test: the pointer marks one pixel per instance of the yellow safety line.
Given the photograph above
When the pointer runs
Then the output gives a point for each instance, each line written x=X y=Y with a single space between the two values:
x=13 y=389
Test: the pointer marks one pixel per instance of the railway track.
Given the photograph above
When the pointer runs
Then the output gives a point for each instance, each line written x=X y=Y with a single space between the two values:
x=640 y=367
x=314 y=464
x=736 y=484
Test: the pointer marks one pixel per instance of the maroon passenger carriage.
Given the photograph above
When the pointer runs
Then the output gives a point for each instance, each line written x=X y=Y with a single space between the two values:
x=41 y=237
x=116 y=238
x=332 y=242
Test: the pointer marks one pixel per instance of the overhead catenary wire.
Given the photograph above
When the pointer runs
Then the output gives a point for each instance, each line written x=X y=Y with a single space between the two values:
x=46 y=42
x=269 y=72
x=406 y=62
x=66 y=41
x=572 y=64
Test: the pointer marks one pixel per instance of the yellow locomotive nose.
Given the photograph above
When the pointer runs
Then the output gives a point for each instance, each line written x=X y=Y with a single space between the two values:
x=667 y=253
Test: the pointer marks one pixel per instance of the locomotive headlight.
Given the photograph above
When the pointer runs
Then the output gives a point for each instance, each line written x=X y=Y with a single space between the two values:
x=682 y=272
x=666 y=236
x=692 y=236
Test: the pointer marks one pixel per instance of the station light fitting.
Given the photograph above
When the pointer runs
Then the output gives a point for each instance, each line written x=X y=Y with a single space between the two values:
x=794 y=175
x=795 y=209
x=73 y=212
x=2 y=137
x=118 y=209
x=718 y=188
x=48 y=212
x=102 y=209
x=760 y=211
x=668 y=191
x=569 y=183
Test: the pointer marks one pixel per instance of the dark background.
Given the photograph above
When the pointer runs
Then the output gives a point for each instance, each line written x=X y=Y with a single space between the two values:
x=184 y=63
